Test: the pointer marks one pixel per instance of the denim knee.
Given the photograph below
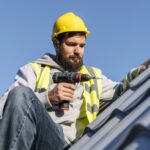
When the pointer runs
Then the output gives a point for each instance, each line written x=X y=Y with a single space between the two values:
x=21 y=96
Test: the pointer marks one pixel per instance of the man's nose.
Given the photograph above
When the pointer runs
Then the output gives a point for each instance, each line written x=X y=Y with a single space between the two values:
x=77 y=49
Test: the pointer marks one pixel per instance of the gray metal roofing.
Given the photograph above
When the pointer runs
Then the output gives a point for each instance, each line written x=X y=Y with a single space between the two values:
x=125 y=124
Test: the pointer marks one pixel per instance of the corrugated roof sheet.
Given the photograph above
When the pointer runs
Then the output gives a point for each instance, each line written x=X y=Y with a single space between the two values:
x=125 y=124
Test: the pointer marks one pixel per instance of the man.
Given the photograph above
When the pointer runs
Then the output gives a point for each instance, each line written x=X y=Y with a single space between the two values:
x=30 y=114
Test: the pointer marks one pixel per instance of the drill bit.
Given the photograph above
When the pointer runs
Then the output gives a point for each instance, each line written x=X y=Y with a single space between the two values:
x=85 y=77
x=93 y=77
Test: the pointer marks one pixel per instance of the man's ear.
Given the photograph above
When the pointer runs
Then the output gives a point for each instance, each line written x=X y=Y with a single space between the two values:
x=56 y=44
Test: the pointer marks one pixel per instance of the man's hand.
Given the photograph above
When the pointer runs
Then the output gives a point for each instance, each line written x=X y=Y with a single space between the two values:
x=61 y=92
x=136 y=71
x=144 y=66
x=133 y=74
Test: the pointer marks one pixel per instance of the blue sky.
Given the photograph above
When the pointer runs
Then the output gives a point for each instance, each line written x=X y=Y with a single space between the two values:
x=119 y=40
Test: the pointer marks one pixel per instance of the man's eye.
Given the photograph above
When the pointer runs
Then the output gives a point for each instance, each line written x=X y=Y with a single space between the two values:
x=82 y=45
x=75 y=44
x=71 y=44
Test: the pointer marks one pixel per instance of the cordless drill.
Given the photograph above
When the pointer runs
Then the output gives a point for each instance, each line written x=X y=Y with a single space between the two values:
x=70 y=77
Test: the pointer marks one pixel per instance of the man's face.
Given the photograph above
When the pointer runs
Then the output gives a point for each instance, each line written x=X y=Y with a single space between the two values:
x=70 y=52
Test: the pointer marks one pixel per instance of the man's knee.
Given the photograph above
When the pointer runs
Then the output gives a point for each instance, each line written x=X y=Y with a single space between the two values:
x=20 y=90
x=21 y=96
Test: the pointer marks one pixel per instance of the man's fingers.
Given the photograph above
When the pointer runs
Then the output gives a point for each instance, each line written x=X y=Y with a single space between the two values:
x=142 y=68
x=69 y=86
x=61 y=92
x=68 y=91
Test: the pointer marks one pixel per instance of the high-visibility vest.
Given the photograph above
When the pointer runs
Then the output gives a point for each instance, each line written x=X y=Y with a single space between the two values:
x=91 y=93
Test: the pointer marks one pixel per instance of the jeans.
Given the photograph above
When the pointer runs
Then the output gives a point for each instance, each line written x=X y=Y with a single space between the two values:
x=26 y=124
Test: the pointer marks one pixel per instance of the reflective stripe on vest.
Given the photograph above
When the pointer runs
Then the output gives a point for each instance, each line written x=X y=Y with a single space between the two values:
x=91 y=94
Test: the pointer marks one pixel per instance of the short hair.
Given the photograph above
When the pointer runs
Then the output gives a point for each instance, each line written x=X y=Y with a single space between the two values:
x=69 y=34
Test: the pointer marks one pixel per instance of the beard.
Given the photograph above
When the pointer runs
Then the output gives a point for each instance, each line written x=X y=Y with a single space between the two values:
x=73 y=63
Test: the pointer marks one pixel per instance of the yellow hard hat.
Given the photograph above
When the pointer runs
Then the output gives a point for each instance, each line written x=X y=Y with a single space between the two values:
x=69 y=22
